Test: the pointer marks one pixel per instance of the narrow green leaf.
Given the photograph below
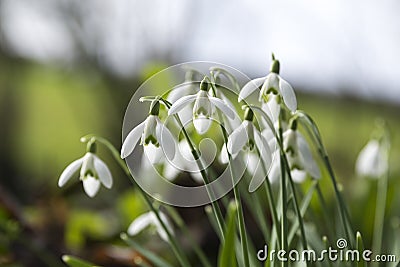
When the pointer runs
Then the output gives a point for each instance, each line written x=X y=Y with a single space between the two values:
x=360 y=248
x=226 y=257
x=156 y=260
x=72 y=261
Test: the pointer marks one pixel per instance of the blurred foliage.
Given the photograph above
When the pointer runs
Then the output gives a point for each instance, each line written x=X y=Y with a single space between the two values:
x=45 y=110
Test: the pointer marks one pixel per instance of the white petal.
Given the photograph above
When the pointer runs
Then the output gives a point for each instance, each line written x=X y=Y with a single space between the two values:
x=180 y=91
x=288 y=94
x=103 y=172
x=170 y=172
x=223 y=156
x=153 y=153
x=186 y=115
x=238 y=138
x=91 y=185
x=202 y=124
x=131 y=140
x=181 y=103
x=368 y=161
x=69 y=171
x=264 y=148
x=197 y=177
x=308 y=160
x=298 y=176
x=272 y=108
x=250 y=87
x=166 y=140
x=275 y=171
x=140 y=223
x=254 y=166
x=160 y=230
x=222 y=106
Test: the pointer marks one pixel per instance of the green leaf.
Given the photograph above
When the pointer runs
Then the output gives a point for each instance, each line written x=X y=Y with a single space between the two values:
x=227 y=257
x=157 y=261
x=360 y=248
x=76 y=262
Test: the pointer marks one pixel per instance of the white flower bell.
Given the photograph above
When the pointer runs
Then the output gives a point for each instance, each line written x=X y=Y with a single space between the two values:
x=299 y=157
x=93 y=172
x=247 y=137
x=372 y=160
x=155 y=137
x=150 y=219
x=204 y=105
x=273 y=88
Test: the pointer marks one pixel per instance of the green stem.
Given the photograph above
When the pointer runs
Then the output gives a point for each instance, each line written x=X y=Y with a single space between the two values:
x=298 y=212
x=284 y=223
x=315 y=134
x=174 y=244
x=236 y=193
x=381 y=196
x=196 y=156
x=199 y=252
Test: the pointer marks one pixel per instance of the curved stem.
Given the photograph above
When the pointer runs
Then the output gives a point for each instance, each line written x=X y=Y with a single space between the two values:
x=177 y=250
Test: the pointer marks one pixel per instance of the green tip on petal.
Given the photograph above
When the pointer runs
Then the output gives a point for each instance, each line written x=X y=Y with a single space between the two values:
x=204 y=85
x=155 y=107
x=275 y=66
x=248 y=114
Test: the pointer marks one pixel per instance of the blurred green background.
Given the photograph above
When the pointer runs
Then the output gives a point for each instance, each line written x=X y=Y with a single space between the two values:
x=47 y=105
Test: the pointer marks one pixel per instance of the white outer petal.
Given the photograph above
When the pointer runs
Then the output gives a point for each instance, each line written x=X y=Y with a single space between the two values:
x=131 y=140
x=160 y=230
x=181 y=90
x=368 y=161
x=298 y=176
x=238 y=138
x=69 y=171
x=91 y=185
x=104 y=173
x=181 y=103
x=141 y=223
x=170 y=172
x=274 y=173
x=250 y=87
x=287 y=92
x=309 y=163
x=202 y=124
x=166 y=140
x=254 y=166
x=266 y=157
x=264 y=148
x=223 y=107
x=153 y=153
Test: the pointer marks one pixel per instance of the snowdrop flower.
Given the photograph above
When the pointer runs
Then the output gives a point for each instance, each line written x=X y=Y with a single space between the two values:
x=155 y=137
x=187 y=88
x=93 y=172
x=247 y=137
x=150 y=219
x=273 y=89
x=204 y=106
x=372 y=160
x=299 y=157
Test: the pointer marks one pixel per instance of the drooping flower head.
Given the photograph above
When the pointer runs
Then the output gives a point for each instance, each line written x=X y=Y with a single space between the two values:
x=204 y=106
x=372 y=160
x=93 y=171
x=248 y=138
x=149 y=219
x=155 y=137
x=274 y=89
x=299 y=156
